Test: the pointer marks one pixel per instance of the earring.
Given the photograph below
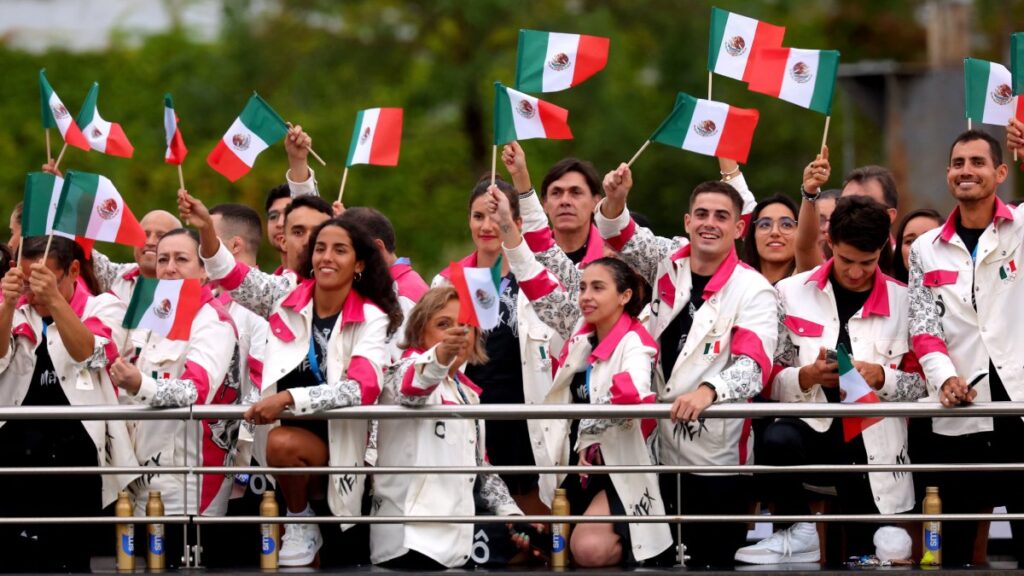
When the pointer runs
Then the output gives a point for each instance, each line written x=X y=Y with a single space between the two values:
x=359 y=276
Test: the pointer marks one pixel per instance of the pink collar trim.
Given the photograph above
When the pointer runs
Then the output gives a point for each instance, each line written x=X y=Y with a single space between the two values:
x=877 y=303
x=351 y=311
x=1003 y=212
x=595 y=246
x=604 y=348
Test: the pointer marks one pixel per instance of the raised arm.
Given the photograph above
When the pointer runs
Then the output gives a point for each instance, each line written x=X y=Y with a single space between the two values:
x=300 y=177
x=106 y=271
x=808 y=252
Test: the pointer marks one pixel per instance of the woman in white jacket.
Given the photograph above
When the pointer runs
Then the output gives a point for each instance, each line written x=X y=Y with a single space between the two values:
x=327 y=349
x=174 y=373
x=436 y=346
x=57 y=340
x=608 y=359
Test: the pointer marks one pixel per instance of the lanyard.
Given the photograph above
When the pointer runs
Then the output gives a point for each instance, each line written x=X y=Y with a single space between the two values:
x=402 y=260
x=314 y=365
x=588 y=381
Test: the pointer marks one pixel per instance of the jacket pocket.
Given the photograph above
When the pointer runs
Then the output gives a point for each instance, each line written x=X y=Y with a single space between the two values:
x=934 y=278
x=803 y=327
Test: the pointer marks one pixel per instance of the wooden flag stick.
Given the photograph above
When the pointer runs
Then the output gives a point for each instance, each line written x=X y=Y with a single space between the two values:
x=710 y=74
x=59 y=156
x=824 y=137
x=20 y=244
x=310 y=148
x=494 y=164
x=969 y=124
x=344 y=178
x=48 y=145
x=46 y=252
x=181 y=177
x=638 y=153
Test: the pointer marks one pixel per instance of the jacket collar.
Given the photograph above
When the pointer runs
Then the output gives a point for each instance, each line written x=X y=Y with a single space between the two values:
x=595 y=246
x=877 y=303
x=1002 y=212
x=132 y=274
x=605 y=347
x=720 y=277
x=302 y=296
x=467 y=262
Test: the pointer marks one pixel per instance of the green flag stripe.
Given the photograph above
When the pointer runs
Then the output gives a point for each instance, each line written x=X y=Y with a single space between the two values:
x=89 y=106
x=496 y=275
x=1017 y=61
x=504 y=126
x=673 y=129
x=355 y=138
x=45 y=91
x=975 y=87
x=719 y=18
x=36 y=207
x=845 y=362
x=530 y=57
x=261 y=119
x=142 y=300
x=825 y=84
x=76 y=202
x=168 y=102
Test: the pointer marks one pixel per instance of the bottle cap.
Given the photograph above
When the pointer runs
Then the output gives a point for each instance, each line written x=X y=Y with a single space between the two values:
x=154 y=494
x=560 y=491
x=932 y=490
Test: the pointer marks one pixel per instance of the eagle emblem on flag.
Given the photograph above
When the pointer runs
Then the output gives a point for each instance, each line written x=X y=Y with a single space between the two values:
x=163 y=309
x=365 y=136
x=736 y=46
x=240 y=141
x=108 y=208
x=59 y=111
x=801 y=72
x=525 y=109
x=485 y=299
x=559 y=62
x=705 y=128
x=1002 y=95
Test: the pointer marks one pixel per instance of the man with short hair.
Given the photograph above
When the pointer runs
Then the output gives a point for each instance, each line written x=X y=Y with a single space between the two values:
x=849 y=302
x=966 y=324
x=303 y=215
x=238 y=226
x=716 y=323
x=300 y=181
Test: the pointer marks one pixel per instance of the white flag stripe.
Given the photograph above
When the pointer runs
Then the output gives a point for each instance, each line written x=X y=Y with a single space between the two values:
x=480 y=283
x=362 y=151
x=165 y=290
x=51 y=211
x=695 y=141
x=250 y=145
x=65 y=119
x=103 y=227
x=170 y=127
x=559 y=43
x=97 y=140
x=995 y=112
x=797 y=92
x=854 y=385
x=727 y=64
x=525 y=127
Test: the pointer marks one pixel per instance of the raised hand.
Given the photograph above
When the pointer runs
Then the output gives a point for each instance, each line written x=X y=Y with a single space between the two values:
x=617 y=185
x=297 y=144
x=126 y=376
x=43 y=283
x=192 y=211
x=13 y=286
x=816 y=173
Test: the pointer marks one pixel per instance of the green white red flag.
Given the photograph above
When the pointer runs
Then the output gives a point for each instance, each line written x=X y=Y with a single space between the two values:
x=376 y=138
x=103 y=136
x=255 y=130
x=554 y=61
x=734 y=38
x=478 y=294
x=988 y=93
x=91 y=207
x=519 y=116
x=176 y=150
x=708 y=127
x=857 y=391
x=56 y=115
x=806 y=78
x=167 y=307
x=42 y=193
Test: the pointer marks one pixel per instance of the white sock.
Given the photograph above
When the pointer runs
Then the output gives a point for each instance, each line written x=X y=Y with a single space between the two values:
x=307 y=512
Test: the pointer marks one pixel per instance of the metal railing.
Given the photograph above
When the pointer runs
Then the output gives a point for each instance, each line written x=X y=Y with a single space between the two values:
x=516 y=412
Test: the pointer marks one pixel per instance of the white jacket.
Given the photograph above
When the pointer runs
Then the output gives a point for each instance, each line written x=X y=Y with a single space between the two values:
x=117 y=278
x=182 y=373
x=420 y=380
x=356 y=353
x=730 y=343
x=84 y=383
x=879 y=334
x=948 y=335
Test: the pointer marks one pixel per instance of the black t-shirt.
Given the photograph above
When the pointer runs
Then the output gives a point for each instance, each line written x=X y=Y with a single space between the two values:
x=302 y=375
x=970 y=236
x=848 y=303
x=44 y=388
x=674 y=337
x=577 y=255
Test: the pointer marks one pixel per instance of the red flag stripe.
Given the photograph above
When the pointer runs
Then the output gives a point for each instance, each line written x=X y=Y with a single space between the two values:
x=130 y=232
x=388 y=140
x=766 y=36
x=223 y=160
x=555 y=121
x=738 y=134
x=188 y=306
x=767 y=70
x=591 y=57
x=117 y=142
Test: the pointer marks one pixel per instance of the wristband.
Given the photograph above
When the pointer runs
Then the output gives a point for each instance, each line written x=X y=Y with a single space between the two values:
x=726 y=176
x=713 y=389
x=808 y=196
x=527 y=194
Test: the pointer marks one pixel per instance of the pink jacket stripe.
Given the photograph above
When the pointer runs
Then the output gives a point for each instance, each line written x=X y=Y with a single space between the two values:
x=361 y=370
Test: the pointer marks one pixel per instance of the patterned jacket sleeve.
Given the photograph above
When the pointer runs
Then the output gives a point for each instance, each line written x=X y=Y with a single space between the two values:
x=250 y=287
x=415 y=379
x=631 y=385
x=926 y=335
x=784 y=383
x=905 y=383
x=636 y=245
x=106 y=271
x=541 y=241
x=360 y=385
x=754 y=336
x=551 y=301
x=104 y=320
x=207 y=361
x=496 y=497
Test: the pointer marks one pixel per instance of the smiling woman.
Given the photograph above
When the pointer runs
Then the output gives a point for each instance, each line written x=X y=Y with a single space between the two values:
x=769 y=242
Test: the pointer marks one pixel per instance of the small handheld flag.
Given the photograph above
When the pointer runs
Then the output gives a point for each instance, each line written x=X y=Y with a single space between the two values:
x=1017 y=61
x=167 y=307
x=255 y=130
x=103 y=136
x=519 y=116
x=553 y=61
x=42 y=193
x=176 y=150
x=988 y=96
x=91 y=207
x=857 y=391
x=806 y=78
x=734 y=38
x=56 y=115
x=376 y=138
x=478 y=294
x=708 y=127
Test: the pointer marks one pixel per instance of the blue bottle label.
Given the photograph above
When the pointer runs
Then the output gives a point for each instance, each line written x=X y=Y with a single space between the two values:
x=557 y=543
x=156 y=544
x=128 y=543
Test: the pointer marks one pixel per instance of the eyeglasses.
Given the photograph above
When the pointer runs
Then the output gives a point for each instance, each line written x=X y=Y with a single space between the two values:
x=786 y=225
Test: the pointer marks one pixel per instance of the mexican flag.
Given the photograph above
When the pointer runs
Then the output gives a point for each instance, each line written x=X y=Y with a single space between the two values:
x=167 y=307
x=176 y=150
x=708 y=127
x=91 y=207
x=519 y=116
x=56 y=115
x=376 y=138
x=103 y=136
x=857 y=390
x=478 y=294
x=1017 y=61
x=42 y=192
x=734 y=38
x=553 y=61
x=806 y=78
x=988 y=96
x=255 y=129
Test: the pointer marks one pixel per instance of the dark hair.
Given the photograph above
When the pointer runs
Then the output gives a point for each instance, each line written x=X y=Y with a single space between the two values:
x=315 y=202
x=566 y=165
x=899 y=269
x=275 y=194
x=750 y=254
x=241 y=221
x=718 y=187
x=625 y=279
x=63 y=251
x=182 y=232
x=831 y=193
x=6 y=258
x=861 y=222
x=995 y=149
x=376 y=223
x=879 y=174
x=485 y=182
x=375 y=281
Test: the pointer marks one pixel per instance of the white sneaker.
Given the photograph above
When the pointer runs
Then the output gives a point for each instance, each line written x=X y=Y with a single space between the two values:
x=798 y=543
x=299 y=544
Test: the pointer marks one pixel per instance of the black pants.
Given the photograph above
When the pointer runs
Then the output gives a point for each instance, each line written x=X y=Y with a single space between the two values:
x=707 y=544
